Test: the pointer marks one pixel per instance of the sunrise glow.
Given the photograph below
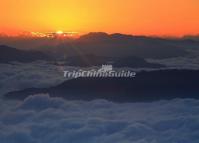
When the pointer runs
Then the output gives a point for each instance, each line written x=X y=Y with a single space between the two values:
x=139 y=17
x=59 y=32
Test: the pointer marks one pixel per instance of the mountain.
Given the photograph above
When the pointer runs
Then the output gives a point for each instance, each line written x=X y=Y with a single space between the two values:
x=107 y=45
x=145 y=87
x=119 y=45
x=192 y=37
x=9 y=54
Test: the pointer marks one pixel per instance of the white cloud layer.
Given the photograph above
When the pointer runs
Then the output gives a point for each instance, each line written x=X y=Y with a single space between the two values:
x=42 y=119
x=18 y=76
x=188 y=62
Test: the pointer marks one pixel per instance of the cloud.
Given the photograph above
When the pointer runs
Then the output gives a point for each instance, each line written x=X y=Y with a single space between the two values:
x=41 y=102
x=186 y=62
x=41 y=118
x=39 y=74
x=19 y=76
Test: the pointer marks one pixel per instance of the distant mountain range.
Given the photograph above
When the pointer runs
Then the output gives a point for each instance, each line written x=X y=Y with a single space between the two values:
x=145 y=87
x=107 y=45
x=118 y=45
x=191 y=37
x=9 y=54
x=99 y=48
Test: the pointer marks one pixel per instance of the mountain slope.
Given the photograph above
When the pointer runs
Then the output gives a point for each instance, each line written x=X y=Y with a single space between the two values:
x=145 y=87
x=9 y=54
x=119 y=45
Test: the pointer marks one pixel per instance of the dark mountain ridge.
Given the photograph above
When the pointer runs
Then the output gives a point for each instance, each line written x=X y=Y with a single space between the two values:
x=9 y=54
x=120 y=45
x=145 y=87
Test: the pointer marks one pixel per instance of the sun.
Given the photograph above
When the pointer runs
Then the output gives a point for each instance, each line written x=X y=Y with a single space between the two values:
x=59 y=32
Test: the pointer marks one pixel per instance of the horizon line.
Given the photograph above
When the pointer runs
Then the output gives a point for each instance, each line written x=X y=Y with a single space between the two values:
x=34 y=34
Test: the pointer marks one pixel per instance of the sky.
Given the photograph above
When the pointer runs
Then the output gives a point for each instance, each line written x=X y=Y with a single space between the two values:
x=138 y=17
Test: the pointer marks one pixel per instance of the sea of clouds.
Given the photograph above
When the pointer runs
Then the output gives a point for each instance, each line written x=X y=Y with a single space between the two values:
x=18 y=76
x=178 y=62
x=41 y=74
x=187 y=62
x=43 y=119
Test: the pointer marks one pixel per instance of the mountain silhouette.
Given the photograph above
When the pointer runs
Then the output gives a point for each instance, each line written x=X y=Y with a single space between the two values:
x=107 y=45
x=9 y=54
x=145 y=87
x=119 y=45
x=192 y=37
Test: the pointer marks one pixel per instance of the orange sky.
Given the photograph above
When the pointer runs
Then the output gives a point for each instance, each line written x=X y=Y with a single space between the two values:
x=140 y=17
